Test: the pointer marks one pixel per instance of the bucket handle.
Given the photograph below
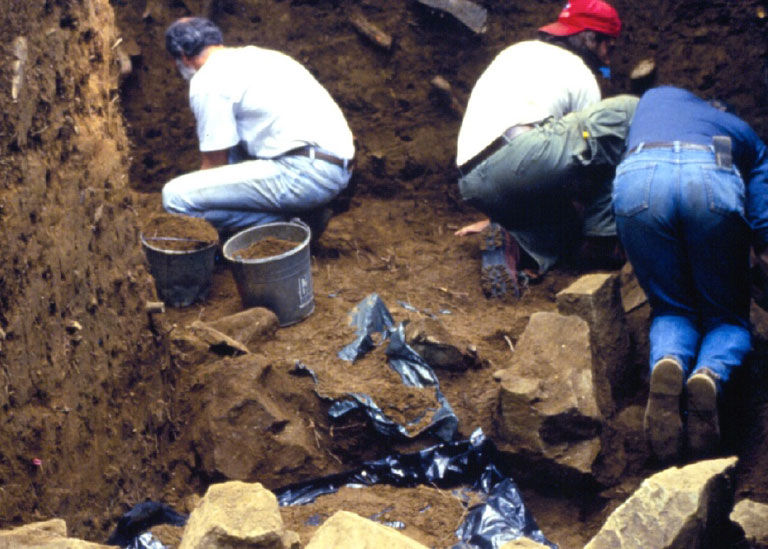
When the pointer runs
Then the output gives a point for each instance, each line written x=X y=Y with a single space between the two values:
x=298 y=221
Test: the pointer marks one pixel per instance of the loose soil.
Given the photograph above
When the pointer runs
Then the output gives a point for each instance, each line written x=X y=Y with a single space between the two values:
x=179 y=232
x=124 y=413
x=268 y=246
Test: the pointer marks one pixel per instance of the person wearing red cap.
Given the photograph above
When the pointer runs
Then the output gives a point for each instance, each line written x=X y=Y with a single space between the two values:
x=519 y=163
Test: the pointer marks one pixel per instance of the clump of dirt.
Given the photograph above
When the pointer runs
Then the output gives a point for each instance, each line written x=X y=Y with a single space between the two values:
x=266 y=247
x=179 y=232
x=412 y=407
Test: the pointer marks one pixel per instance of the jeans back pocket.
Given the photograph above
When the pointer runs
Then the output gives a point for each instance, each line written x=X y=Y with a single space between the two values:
x=632 y=188
x=726 y=193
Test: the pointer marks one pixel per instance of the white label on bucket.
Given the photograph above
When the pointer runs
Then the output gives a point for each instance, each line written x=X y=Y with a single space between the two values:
x=305 y=290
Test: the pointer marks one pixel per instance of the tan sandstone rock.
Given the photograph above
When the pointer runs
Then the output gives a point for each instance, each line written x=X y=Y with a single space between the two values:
x=237 y=515
x=548 y=408
x=345 y=530
x=595 y=298
x=752 y=517
x=51 y=534
x=678 y=507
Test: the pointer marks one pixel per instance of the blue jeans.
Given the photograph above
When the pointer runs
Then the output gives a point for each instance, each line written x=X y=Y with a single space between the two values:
x=255 y=191
x=681 y=220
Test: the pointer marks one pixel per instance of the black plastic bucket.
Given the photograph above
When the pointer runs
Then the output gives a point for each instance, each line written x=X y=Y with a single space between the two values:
x=181 y=276
x=281 y=283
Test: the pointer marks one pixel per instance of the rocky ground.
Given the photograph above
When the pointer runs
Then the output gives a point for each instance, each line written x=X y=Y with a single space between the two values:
x=106 y=405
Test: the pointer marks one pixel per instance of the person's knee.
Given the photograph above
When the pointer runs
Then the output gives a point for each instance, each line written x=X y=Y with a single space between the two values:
x=171 y=196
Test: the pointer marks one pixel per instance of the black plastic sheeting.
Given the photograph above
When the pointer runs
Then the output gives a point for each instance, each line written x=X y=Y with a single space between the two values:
x=129 y=532
x=502 y=518
x=371 y=317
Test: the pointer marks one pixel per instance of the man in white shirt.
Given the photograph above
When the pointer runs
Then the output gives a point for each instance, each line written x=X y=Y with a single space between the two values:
x=274 y=143
x=518 y=165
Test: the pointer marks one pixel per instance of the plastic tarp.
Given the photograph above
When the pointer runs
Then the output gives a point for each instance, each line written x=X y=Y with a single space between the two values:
x=130 y=532
x=371 y=317
x=501 y=518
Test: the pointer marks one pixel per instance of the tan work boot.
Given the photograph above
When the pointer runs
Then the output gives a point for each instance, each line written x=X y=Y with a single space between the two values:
x=703 y=423
x=662 y=422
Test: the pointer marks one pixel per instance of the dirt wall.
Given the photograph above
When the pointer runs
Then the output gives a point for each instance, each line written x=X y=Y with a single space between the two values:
x=406 y=136
x=76 y=348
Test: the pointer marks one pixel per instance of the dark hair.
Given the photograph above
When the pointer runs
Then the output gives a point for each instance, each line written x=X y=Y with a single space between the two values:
x=578 y=43
x=191 y=35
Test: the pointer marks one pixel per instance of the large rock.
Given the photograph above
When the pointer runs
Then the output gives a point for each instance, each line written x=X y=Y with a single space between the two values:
x=752 y=518
x=236 y=515
x=595 y=298
x=51 y=534
x=548 y=409
x=637 y=314
x=239 y=430
x=678 y=507
x=345 y=530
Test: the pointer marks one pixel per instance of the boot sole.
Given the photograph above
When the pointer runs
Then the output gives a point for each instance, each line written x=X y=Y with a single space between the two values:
x=703 y=422
x=496 y=278
x=662 y=421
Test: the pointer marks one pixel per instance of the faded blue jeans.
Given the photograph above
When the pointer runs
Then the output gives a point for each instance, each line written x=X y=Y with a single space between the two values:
x=255 y=191
x=681 y=220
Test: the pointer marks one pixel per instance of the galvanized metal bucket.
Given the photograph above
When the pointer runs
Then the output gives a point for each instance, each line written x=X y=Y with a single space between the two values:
x=281 y=283
x=181 y=276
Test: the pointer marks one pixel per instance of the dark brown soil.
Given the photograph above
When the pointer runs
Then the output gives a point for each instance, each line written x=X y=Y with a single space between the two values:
x=116 y=412
x=265 y=247
x=179 y=232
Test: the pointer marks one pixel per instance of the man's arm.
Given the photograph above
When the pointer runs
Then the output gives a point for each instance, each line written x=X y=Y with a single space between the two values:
x=212 y=159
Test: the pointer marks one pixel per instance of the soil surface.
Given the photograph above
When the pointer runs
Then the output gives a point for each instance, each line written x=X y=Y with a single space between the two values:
x=178 y=232
x=130 y=411
x=265 y=247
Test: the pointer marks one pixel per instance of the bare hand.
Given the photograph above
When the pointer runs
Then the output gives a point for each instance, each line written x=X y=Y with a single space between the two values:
x=473 y=228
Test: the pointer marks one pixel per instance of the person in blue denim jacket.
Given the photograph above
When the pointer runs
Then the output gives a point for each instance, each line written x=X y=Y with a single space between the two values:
x=690 y=197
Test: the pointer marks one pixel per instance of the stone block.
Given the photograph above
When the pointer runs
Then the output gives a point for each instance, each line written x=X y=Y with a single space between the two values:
x=345 y=530
x=548 y=409
x=595 y=298
x=51 y=534
x=236 y=515
x=752 y=518
x=678 y=507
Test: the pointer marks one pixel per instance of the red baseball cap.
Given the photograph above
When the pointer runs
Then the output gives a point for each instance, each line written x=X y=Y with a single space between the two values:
x=581 y=15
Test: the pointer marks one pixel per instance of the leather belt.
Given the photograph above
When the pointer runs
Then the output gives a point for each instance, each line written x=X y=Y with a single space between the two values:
x=508 y=135
x=312 y=152
x=683 y=146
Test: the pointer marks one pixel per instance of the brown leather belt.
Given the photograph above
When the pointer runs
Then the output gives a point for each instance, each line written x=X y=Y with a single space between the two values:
x=669 y=145
x=312 y=152
x=508 y=135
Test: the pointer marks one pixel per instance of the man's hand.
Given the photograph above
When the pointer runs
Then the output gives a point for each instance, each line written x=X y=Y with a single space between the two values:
x=212 y=159
x=473 y=228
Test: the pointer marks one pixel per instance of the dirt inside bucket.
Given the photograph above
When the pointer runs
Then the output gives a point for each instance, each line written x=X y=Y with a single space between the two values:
x=266 y=247
x=179 y=232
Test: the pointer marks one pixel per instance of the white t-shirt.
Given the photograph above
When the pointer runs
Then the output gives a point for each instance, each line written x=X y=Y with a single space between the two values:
x=267 y=100
x=526 y=83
